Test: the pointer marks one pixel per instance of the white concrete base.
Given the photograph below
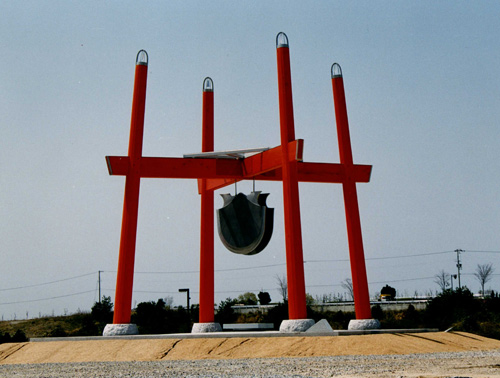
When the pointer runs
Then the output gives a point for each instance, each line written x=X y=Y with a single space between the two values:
x=296 y=325
x=206 y=327
x=321 y=327
x=120 y=329
x=361 y=324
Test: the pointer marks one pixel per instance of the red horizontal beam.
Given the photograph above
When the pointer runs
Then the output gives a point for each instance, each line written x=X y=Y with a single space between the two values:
x=181 y=168
x=186 y=168
x=259 y=164
x=271 y=159
x=333 y=173
x=205 y=168
x=222 y=172
x=308 y=172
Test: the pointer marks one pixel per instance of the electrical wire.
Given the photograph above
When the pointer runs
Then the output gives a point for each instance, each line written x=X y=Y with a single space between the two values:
x=264 y=289
x=48 y=283
x=233 y=269
x=47 y=299
x=305 y=261
x=382 y=258
x=482 y=251
x=197 y=271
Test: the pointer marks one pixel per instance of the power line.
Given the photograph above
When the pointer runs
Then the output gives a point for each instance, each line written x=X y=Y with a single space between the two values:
x=266 y=289
x=305 y=261
x=47 y=299
x=280 y=264
x=154 y=292
x=414 y=255
x=237 y=269
x=326 y=260
x=47 y=283
x=403 y=280
x=197 y=271
x=481 y=251
x=383 y=258
x=250 y=267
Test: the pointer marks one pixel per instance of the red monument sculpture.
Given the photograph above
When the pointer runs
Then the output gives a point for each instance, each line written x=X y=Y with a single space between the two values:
x=282 y=163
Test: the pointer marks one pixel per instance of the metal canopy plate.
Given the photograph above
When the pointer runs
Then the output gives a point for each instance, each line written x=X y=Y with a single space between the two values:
x=229 y=154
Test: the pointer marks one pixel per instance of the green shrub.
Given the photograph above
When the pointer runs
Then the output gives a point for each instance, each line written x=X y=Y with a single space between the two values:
x=102 y=312
x=88 y=327
x=452 y=307
x=58 y=331
x=264 y=298
x=155 y=318
x=490 y=329
x=249 y=299
x=150 y=317
x=5 y=338
x=225 y=313
x=377 y=312
x=276 y=315
x=19 y=337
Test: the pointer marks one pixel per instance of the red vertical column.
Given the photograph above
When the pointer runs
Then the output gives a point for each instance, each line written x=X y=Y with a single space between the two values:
x=125 y=276
x=355 y=239
x=207 y=213
x=293 y=234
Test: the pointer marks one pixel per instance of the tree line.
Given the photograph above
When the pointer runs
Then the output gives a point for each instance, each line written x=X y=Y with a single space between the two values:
x=452 y=308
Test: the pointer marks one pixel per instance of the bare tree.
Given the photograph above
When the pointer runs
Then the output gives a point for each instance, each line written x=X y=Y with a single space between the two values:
x=483 y=274
x=442 y=279
x=169 y=301
x=347 y=285
x=282 y=286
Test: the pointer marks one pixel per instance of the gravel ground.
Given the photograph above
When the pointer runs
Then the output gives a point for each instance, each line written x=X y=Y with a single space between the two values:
x=464 y=364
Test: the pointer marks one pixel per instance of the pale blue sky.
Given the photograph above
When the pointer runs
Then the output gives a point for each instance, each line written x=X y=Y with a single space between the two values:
x=423 y=95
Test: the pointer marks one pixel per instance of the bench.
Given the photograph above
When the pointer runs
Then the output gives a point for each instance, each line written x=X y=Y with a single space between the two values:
x=248 y=326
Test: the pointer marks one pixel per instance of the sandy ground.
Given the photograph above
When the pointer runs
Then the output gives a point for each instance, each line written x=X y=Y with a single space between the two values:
x=422 y=355
x=96 y=350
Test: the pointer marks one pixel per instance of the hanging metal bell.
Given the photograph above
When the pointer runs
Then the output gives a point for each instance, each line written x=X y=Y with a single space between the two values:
x=245 y=223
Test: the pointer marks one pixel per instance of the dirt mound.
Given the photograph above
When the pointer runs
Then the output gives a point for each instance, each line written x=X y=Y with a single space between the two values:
x=233 y=348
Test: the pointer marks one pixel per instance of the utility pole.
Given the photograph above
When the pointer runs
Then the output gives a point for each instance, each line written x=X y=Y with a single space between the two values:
x=459 y=265
x=99 y=283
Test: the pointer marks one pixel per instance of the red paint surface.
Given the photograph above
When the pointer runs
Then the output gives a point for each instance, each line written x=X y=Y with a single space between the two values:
x=220 y=173
x=293 y=233
x=125 y=275
x=354 y=236
x=207 y=219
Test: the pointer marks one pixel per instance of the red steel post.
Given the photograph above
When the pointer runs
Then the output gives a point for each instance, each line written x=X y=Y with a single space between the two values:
x=293 y=234
x=207 y=212
x=355 y=239
x=125 y=276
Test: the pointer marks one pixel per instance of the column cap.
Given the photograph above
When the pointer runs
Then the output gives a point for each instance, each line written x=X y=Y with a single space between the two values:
x=142 y=58
x=281 y=40
x=208 y=85
x=336 y=70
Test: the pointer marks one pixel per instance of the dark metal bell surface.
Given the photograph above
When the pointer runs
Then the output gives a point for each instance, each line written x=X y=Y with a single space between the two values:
x=245 y=223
